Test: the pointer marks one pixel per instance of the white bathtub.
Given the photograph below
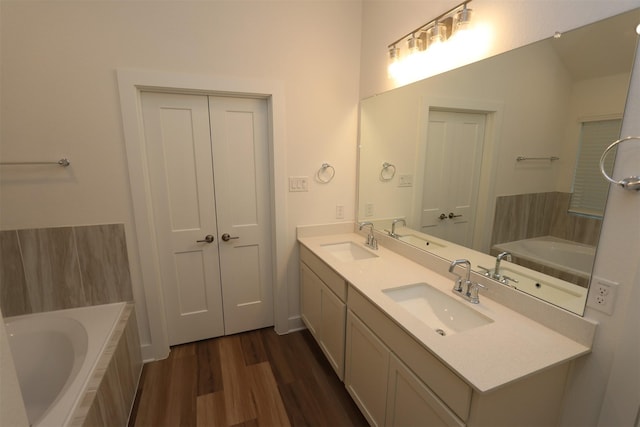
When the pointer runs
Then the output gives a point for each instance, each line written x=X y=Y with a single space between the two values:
x=55 y=354
x=564 y=255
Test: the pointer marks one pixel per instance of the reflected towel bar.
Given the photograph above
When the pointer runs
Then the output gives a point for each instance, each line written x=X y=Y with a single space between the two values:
x=64 y=162
x=523 y=158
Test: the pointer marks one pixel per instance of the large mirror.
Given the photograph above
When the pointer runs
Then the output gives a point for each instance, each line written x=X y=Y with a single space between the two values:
x=501 y=158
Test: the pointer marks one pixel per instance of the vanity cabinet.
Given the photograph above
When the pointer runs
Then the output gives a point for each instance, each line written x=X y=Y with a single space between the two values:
x=421 y=390
x=384 y=388
x=397 y=381
x=323 y=309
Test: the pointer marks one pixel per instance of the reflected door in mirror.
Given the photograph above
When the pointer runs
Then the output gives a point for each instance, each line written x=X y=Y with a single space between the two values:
x=453 y=156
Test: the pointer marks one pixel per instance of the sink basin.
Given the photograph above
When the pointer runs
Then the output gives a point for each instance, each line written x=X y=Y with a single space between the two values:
x=442 y=313
x=348 y=251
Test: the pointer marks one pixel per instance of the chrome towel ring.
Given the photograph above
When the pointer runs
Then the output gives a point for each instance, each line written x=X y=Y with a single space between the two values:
x=631 y=183
x=388 y=172
x=321 y=172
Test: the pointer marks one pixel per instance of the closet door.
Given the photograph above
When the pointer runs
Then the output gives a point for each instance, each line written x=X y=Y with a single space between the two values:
x=239 y=131
x=179 y=162
x=208 y=172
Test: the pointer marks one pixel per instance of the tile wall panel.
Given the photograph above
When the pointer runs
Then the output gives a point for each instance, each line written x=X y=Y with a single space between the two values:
x=12 y=281
x=64 y=267
x=525 y=216
x=104 y=265
x=51 y=269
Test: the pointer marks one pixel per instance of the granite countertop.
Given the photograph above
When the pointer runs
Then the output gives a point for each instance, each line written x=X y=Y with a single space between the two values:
x=486 y=357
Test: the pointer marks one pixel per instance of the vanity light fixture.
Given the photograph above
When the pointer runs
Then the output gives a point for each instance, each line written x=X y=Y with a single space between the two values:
x=425 y=45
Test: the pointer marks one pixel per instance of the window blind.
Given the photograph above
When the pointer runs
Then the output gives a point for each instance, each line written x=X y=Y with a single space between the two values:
x=589 y=193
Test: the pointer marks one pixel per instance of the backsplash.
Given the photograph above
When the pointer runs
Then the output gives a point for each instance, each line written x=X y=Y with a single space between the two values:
x=49 y=269
x=523 y=216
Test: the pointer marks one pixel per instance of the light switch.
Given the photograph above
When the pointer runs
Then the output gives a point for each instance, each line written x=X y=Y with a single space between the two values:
x=298 y=183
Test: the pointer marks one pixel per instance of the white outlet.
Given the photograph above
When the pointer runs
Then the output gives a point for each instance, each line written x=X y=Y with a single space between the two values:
x=602 y=295
x=339 y=212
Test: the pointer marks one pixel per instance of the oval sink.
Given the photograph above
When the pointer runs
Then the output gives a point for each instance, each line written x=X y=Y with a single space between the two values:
x=348 y=251
x=442 y=313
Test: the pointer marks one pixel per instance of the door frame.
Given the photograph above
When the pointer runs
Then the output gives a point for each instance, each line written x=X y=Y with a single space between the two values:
x=130 y=85
x=494 y=111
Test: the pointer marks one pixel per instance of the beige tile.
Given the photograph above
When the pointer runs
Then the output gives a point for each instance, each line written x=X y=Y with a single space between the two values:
x=104 y=264
x=112 y=407
x=51 y=269
x=13 y=290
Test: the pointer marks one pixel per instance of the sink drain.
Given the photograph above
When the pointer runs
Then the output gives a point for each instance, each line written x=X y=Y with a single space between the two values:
x=441 y=332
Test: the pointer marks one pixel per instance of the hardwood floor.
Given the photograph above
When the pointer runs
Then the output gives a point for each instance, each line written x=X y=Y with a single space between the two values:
x=256 y=378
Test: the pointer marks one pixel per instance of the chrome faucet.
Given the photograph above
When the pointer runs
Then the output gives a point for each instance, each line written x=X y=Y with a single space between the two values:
x=467 y=290
x=496 y=271
x=371 y=240
x=393 y=226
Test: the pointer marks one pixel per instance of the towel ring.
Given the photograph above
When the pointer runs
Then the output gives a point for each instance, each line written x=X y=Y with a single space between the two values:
x=389 y=175
x=322 y=169
x=631 y=183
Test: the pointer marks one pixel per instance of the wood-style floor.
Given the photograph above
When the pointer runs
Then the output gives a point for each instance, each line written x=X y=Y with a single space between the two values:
x=256 y=378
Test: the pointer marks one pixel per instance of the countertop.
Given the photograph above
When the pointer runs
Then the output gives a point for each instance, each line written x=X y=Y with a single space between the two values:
x=487 y=357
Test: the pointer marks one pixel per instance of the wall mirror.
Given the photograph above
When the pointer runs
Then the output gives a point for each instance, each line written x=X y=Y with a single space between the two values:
x=482 y=159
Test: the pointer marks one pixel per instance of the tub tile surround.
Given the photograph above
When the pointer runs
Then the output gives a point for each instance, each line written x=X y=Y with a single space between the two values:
x=110 y=392
x=63 y=267
x=523 y=216
x=538 y=335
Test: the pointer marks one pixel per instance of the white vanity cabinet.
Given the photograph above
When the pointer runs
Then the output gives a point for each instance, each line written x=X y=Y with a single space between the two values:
x=421 y=390
x=323 y=309
x=397 y=380
x=384 y=389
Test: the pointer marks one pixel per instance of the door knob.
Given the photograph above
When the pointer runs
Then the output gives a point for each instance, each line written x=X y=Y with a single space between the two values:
x=442 y=216
x=207 y=239
x=226 y=237
x=451 y=215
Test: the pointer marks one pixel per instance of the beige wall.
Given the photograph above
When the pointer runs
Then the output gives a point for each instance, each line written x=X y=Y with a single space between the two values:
x=516 y=24
x=60 y=97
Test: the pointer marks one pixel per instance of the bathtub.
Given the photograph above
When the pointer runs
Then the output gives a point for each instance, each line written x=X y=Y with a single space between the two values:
x=55 y=354
x=563 y=255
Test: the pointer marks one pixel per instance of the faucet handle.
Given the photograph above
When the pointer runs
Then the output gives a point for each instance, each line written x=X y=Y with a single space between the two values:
x=487 y=271
x=472 y=292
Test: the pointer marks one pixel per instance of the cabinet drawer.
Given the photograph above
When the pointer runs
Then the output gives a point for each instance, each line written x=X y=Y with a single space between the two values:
x=452 y=390
x=333 y=280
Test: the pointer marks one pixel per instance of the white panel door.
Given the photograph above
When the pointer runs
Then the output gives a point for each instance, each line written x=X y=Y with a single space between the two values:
x=239 y=131
x=178 y=153
x=454 y=157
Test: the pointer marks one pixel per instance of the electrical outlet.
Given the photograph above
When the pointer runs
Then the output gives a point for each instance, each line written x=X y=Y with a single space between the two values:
x=602 y=295
x=339 y=212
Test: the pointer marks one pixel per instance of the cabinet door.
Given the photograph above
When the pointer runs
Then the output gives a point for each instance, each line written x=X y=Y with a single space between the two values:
x=332 y=326
x=411 y=403
x=366 y=368
x=310 y=300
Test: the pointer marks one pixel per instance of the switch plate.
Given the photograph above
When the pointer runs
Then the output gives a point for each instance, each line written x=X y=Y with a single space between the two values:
x=339 y=212
x=298 y=183
x=602 y=295
x=405 y=181
x=368 y=209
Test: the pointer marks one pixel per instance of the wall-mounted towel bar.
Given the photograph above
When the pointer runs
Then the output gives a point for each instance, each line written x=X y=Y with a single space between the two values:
x=524 y=158
x=64 y=162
